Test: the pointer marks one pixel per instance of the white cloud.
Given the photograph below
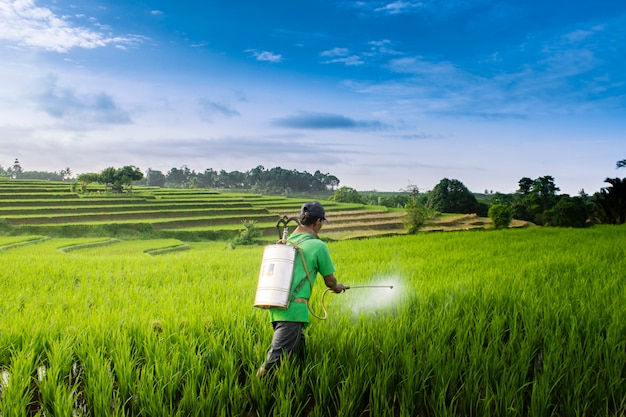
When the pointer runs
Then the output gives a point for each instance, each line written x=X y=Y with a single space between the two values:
x=382 y=48
x=341 y=56
x=399 y=7
x=377 y=49
x=335 y=52
x=348 y=60
x=26 y=24
x=266 y=56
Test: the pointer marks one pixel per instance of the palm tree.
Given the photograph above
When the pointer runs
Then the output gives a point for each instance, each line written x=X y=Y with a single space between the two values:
x=610 y=202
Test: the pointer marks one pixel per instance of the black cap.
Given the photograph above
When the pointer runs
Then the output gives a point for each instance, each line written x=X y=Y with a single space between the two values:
x=314 y=209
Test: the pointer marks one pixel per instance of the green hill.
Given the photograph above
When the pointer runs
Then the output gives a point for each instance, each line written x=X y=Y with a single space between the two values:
x=55 y=209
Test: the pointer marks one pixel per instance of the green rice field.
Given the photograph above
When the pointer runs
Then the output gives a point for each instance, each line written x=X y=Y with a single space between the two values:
x=54 y=209
x=525 y=322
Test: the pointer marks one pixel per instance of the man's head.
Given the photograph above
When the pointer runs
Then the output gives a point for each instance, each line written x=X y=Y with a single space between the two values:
x=312 y=212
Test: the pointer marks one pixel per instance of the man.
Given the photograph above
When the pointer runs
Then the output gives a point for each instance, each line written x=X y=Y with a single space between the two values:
x=289 y=324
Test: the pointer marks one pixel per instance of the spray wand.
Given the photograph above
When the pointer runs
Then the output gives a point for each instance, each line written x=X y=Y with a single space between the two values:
x=370 y=286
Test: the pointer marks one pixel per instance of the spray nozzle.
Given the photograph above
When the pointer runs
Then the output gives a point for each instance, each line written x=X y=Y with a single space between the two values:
x=370 y=286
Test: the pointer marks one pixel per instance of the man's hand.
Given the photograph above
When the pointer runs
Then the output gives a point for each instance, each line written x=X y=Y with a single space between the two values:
x=339 y=288
x=331 y=282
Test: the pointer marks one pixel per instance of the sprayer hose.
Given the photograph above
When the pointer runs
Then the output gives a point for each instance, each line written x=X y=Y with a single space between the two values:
x=325 y=316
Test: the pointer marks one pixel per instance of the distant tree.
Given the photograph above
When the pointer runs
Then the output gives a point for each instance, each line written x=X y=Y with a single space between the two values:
x=610 y=202
x=273 y=181
x=256 y=178
x=500 y=215
x=125 y=176
x=118 y=178
x=178 y=178
x=155 y=178
x=545 y=189
x=525 y=186
x=500 y=198
x=534 y=197
x=452 y=196
x=66 y=174
x=234 y=179
x=87 y=178
x=482 y=209
x=567 y=212
x=413 y=190
x=392 y=200
x=207 y=179
x=521 y=211
x=347 y=195
x=331 y=182
x=107 y=176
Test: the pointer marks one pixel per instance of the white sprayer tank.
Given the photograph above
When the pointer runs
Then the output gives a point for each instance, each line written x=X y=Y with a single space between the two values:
x=274 y=285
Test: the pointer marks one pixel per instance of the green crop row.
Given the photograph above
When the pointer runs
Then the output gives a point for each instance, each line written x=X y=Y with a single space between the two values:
x=152 y=212
x=159 y=213
x=116 y=208
x=80 y=202
x=527 y=322
x=33 y=195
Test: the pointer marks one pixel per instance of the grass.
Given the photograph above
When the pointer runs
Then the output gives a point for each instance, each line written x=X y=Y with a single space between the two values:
x=501 y=323
x=11 y=240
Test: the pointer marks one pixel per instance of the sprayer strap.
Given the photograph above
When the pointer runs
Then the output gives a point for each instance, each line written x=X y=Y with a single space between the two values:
x=308 y=277
x=306 y=269
x=305 y=279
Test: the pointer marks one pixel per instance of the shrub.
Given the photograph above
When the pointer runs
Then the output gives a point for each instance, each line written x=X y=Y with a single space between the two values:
x=567 y=212
x=248 y=234
x=500 y=215
x=415 y=215
x=347 y=195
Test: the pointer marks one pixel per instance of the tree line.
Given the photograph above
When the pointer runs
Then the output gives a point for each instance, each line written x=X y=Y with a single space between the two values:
x=536 y=200
x=275 y=181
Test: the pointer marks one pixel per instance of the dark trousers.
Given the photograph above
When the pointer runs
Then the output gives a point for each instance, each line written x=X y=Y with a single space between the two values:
x=288 y=339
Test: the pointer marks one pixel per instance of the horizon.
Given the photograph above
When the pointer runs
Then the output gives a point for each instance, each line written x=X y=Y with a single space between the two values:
x=486 y=192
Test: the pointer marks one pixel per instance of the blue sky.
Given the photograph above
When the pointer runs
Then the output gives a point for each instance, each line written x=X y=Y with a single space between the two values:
x=381 y=94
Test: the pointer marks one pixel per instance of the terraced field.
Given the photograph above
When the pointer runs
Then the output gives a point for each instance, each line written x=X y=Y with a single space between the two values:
x=55 y=210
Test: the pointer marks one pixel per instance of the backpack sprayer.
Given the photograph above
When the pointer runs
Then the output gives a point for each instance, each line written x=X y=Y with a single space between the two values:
x=274 y=286
x=276 y=275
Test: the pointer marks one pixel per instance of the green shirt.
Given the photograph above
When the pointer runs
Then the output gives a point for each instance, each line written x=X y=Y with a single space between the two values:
x=318 y=260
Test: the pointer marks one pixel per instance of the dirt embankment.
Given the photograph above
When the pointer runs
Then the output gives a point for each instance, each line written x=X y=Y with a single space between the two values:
x=465 y=222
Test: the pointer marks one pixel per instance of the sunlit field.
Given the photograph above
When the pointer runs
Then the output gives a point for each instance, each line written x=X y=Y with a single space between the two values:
x=524 y=322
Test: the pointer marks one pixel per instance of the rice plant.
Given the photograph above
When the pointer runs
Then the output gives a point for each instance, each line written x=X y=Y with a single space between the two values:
x=500 y=323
